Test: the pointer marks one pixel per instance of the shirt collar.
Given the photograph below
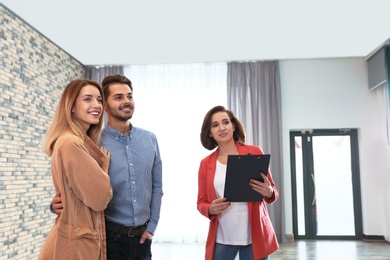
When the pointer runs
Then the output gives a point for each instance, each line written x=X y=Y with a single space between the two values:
x=115 y=133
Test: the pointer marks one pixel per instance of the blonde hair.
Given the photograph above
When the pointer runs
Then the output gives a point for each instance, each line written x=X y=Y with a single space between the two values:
x=63 y=119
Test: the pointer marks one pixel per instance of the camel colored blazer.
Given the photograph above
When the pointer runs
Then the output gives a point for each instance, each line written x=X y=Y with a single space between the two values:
x=79 y=232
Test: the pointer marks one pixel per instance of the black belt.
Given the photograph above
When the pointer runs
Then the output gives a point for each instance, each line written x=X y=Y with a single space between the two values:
x=123 y=230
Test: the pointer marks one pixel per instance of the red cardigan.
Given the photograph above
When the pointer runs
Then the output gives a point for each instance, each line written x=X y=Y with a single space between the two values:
x=264 y=240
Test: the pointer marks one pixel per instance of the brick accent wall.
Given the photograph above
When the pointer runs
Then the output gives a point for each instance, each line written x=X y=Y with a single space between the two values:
x=33 y=73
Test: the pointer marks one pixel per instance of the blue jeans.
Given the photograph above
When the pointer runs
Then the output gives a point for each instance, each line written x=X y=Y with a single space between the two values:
x=229 y=252
x=122 y=247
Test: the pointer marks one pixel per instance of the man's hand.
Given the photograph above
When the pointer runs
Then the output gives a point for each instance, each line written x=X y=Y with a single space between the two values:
x=146 y=235
x=56 y=203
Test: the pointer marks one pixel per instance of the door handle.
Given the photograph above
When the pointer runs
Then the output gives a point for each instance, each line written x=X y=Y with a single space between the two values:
x=314 y=186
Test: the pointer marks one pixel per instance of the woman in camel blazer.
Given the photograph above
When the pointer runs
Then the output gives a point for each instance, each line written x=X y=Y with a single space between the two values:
x=79 y=173
x=243 y=228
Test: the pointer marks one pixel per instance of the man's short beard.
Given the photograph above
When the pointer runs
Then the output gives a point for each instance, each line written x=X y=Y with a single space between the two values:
x=123 y=118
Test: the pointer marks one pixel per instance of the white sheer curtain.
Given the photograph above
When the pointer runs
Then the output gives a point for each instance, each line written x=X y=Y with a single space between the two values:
x=171 y=101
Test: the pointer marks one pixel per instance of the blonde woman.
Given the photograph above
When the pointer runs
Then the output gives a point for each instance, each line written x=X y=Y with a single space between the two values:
x=79 y=171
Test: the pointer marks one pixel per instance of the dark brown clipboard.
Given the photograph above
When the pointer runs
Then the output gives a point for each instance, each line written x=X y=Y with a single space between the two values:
x=239 y=170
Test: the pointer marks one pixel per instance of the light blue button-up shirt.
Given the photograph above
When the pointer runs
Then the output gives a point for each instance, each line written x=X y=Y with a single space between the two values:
x=136 y=177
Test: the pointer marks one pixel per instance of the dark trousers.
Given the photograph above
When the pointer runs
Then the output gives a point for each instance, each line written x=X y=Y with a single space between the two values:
x=123 y=247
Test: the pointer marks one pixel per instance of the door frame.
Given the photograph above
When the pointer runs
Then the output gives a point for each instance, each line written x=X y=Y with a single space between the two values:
x=307 y=160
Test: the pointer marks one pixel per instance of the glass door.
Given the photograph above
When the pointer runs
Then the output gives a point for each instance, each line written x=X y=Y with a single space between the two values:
x=326 y=189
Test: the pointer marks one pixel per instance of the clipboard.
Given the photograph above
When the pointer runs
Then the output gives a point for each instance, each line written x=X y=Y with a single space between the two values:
x=239 y=170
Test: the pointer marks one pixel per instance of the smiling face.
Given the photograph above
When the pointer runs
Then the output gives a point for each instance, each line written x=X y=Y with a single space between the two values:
x=88 y=107
x=221 y=128
x=119 y=104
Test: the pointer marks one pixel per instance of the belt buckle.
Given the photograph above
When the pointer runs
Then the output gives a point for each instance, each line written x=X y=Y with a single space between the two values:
x=131 y=233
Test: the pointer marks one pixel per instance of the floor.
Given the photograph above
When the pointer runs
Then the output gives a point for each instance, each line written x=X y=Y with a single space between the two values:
x=299 y=250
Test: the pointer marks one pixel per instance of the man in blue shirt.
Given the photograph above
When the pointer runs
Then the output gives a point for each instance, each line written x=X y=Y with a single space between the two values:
x=136 y=176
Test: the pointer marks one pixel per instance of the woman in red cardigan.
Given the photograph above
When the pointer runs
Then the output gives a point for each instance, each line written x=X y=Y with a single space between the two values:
x=235 y=227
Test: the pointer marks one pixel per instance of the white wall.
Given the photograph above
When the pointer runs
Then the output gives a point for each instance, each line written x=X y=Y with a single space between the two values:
x=333 y=93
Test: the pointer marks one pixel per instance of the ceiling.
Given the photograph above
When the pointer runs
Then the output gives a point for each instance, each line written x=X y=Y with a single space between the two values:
x=124 y=32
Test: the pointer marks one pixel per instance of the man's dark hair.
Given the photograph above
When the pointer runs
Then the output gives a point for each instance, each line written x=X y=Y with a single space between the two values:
x=117 y=78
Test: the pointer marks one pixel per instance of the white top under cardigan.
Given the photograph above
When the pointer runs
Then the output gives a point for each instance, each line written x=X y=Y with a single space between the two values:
x=233 y=223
